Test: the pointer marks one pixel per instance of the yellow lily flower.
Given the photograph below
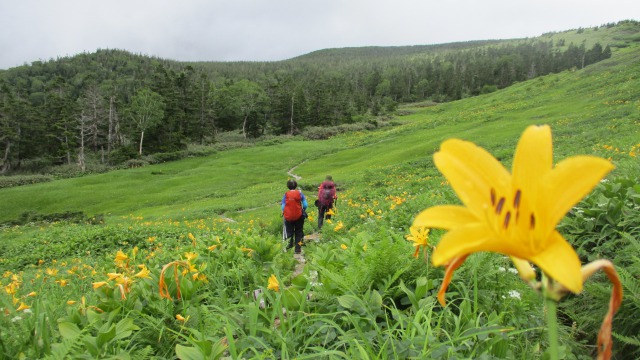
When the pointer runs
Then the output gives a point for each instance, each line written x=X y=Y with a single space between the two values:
x=23 y=306
x=121 y=256
x=144 y=273
x=419 y=236
x=514 y=214
x=114 y=276
x=190 y=255
x=99 y=284
x=273 y=283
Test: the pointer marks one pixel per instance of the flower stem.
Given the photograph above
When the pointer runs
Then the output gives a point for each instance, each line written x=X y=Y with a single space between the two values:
x=552 y=327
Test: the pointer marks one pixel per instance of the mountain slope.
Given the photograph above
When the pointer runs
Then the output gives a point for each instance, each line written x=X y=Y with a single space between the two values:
x=587 y=109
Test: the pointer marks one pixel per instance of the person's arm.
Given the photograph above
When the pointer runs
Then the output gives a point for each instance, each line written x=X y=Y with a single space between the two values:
x=284 y=199
x=304 y=201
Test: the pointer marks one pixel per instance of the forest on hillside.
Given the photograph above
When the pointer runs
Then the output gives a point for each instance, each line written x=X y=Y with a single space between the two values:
x=112 y=105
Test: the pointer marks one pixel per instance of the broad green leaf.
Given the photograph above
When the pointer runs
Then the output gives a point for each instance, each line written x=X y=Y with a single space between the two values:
x=91 y=345
x=124 y=328
x=347 y=301
x=69 y=330
x=299 y=282
x=105 y=336
x=189 y=353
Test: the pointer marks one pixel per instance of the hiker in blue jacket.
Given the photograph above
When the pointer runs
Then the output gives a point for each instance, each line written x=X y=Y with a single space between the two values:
x=293 y=207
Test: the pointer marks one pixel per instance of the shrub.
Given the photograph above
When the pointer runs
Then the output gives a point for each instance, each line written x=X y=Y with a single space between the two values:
x=9 y=181
x=135 y=163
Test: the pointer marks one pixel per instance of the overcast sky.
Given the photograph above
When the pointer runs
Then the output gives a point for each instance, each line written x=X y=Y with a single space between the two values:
x=270 y=30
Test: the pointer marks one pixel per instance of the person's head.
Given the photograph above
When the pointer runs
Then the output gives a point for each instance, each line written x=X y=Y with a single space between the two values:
x=329 y=178
x=292 y=184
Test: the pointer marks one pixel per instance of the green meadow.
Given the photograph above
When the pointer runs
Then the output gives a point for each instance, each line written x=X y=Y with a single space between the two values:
x=163 y=260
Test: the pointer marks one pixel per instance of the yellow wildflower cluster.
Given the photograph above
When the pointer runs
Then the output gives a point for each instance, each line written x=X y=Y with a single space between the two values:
x=633 y=151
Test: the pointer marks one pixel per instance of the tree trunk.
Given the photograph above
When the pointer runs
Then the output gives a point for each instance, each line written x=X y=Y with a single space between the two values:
x=291 y=129
x=81 y=152
x=66 y=143
x=141 y=138
x=244 y=127
x=6 y=164
x=111 y=127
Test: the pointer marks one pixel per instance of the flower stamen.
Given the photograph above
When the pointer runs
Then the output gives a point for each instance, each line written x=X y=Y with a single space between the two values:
x=516 y=199
x=500 y=206
x=507 y=217
x=532 y=222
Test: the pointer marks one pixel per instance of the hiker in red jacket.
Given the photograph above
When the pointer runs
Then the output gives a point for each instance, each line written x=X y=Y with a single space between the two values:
x=326 y=197
x=293 y=207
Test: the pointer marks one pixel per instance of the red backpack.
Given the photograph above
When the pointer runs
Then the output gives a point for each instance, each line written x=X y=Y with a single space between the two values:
x=292 y=205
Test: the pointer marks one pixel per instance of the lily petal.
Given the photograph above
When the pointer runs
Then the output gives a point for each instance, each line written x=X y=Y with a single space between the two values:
x=525 y=270
x=472 y=172
x=570 y=181
x=451 y=267
x=469 y=239
x=560 y=262
x=444 y=217
x=533 y=159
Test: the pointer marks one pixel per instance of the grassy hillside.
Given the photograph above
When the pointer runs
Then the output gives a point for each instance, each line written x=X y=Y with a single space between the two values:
x=587 y=109
x=213 y=224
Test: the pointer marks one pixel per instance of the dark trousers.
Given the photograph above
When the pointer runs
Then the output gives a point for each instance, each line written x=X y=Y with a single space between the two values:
x=322 y=210
x=294 y=231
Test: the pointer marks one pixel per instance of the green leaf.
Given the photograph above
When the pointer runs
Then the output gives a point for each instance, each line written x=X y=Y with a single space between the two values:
x=292 y=299
x=124 y=328
x=91 y=345
x=105 y=336
x=347 y=301
x=299 y=282
x=188 y=353
x=69 y=330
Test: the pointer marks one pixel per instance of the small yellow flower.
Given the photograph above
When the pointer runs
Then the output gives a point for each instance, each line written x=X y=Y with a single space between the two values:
x=33 y=293
x=51 y=272
x=99 y=284
x=181 y=318
x=193 y=239
x=273 y=283
x=419 y=236
x=343 y=247
x=339 y=226
x=114 y=276
x=23 y=306
x=121 y=256
x=190 y=256
x=71 y=302
x=144 y=273
x=212 y=247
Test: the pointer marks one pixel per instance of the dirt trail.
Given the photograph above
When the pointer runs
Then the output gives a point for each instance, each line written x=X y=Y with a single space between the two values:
x=290 y=172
